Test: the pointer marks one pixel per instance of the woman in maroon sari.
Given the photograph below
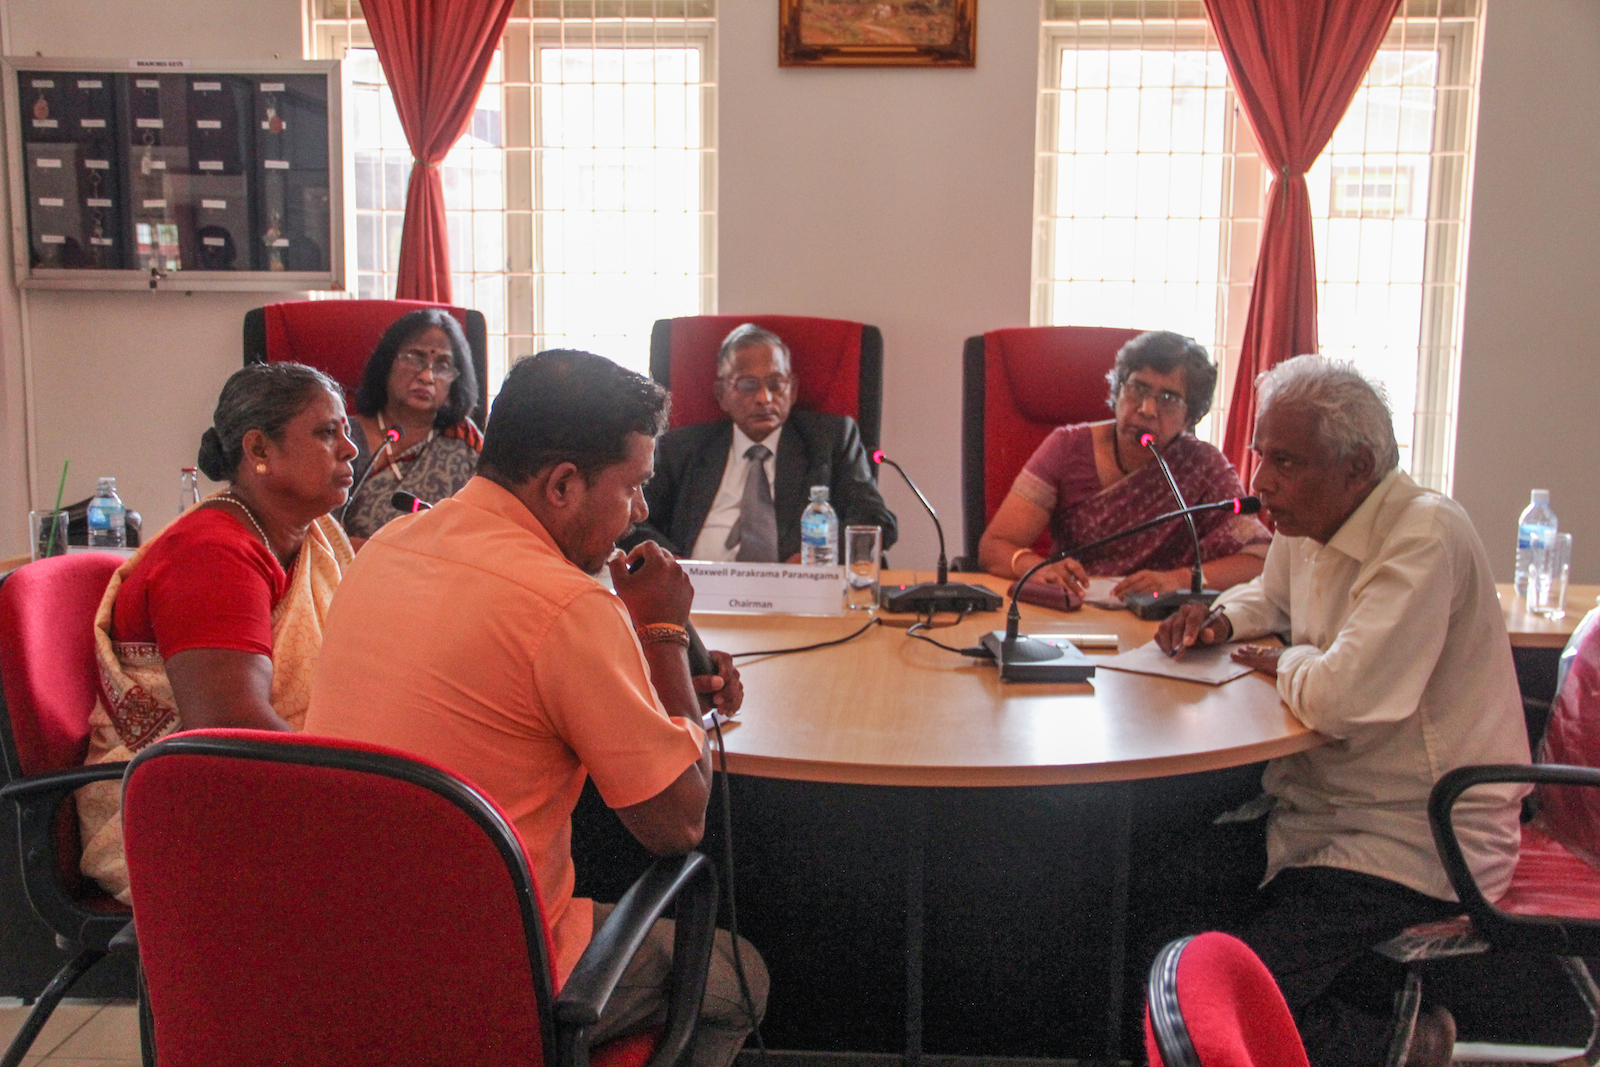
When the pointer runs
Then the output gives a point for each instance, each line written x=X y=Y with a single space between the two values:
x=1093 y=479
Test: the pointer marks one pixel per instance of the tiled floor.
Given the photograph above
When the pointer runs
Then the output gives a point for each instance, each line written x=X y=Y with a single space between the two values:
x=106 y=1034
x=80 y=1034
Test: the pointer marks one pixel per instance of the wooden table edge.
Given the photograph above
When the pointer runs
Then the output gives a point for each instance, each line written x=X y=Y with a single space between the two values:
x=796 y=770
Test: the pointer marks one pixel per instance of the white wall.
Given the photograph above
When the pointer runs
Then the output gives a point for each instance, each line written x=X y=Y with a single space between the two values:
x=1529 y=399
x=901 y=198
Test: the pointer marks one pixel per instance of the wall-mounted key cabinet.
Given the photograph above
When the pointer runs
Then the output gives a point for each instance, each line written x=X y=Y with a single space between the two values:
x=188 y=178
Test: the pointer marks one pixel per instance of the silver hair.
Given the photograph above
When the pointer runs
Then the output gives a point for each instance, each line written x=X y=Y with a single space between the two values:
x=747 y=336
x=1352 y=410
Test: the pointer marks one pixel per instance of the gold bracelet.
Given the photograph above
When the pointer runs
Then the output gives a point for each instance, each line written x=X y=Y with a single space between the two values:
x=664 y=633
x=1014 y=572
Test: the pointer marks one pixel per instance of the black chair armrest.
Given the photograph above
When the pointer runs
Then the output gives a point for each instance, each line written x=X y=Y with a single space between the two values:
x=690 y=880
x=59 y=783
x=38 y=799
x=1544 y=933
x=126 y=942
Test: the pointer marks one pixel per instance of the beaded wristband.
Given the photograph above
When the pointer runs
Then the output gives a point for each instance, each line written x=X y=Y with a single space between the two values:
x=663 y=632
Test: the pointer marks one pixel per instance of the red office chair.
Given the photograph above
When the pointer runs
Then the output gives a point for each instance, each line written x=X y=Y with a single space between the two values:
x=1017 y=386
x=839 y=364
x=48 y=683
x=1213 y=1003
x=304 y=900
x=337 y=336
x=1553 y=904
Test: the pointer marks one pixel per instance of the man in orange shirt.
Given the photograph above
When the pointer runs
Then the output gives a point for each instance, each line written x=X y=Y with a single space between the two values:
x=474 y=635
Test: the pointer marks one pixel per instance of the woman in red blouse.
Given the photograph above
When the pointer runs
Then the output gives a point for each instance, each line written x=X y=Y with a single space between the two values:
x=217 y=620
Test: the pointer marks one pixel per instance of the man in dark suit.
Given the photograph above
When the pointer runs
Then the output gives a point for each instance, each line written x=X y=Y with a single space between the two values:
x=734 y=489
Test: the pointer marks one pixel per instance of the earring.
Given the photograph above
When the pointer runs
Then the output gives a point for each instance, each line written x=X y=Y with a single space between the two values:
x=261 y=468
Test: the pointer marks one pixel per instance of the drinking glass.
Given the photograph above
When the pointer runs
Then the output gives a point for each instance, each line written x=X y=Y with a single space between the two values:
x=863 y=550
x=41 y=526
x=1547 y=577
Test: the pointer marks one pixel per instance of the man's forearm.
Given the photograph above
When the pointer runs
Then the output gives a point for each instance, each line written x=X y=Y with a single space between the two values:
x=669 y=673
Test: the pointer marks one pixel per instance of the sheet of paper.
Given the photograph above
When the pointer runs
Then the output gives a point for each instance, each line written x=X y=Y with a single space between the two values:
x=1208 y=666
x=1099 y=593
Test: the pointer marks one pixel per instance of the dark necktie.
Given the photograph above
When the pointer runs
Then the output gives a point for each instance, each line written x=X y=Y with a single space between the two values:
x=756 y=529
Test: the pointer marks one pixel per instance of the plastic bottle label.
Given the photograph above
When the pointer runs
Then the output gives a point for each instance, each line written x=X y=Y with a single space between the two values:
x=1531 y=537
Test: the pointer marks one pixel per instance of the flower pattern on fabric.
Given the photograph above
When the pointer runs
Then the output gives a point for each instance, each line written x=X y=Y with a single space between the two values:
x=1061 y=479
x=433 y=470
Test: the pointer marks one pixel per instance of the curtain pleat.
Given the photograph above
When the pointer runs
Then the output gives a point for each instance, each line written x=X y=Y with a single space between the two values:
x=1296 y=65
x=435 y=55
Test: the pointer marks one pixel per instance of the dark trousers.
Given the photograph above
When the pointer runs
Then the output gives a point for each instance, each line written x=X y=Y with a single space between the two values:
x=1315 y=930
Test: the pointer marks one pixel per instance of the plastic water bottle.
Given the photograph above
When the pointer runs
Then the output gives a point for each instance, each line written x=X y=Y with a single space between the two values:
x=819 y=529
x=188 y=489
x=1536 y=529
x=108 y=519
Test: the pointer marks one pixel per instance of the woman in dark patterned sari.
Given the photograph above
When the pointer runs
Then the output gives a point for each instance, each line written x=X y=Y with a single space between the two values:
x=411 y=419
x=1093 y=479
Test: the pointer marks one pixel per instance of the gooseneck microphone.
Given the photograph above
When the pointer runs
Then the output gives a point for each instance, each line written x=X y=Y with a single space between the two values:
x=410 y=503
x=1028 y=659
x=1159 y=605
x=390 y=436
x=928 y=598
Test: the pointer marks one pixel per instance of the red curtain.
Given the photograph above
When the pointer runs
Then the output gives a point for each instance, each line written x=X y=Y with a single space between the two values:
x=435 y=54
x=1295 y=65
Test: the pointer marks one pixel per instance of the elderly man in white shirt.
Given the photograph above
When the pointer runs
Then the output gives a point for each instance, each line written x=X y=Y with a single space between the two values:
x=1398 y=655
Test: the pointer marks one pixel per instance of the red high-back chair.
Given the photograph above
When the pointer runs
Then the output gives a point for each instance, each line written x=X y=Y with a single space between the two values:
x=337 y=336
x=1212 y=1003
x=306 y=900
x=1017 y=386
x=839 y=365
x=48 y=685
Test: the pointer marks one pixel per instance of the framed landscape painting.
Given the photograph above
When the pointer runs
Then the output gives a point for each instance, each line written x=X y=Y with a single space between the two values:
x=877 y=33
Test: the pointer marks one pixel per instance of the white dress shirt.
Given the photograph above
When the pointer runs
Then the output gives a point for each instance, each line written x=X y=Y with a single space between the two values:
x=712 y=542
x=1399 y=656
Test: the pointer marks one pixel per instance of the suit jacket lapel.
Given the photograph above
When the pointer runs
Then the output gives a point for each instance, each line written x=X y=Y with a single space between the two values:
x=791 y=494
x=701 y=483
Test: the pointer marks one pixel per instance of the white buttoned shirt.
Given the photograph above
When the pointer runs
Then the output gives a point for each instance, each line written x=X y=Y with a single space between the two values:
x=1399 y=656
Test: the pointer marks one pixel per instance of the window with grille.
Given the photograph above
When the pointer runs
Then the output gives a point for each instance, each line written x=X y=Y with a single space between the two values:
x=1151 y=190
x=580 y=203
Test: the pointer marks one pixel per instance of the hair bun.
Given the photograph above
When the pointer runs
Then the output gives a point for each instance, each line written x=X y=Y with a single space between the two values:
x=210 y=459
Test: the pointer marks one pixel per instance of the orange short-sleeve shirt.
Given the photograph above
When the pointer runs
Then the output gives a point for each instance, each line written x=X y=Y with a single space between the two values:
x=464 y=635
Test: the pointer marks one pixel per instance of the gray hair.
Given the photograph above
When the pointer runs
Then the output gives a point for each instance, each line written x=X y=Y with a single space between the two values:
x=748 y=336
x=1163 y=352
x=262 y=396
x=1352 y=411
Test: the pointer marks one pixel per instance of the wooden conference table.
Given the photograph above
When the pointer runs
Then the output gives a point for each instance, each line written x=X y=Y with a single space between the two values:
x=940 y=747
x=1535 y=631
x=886 y=709
x=965 y=756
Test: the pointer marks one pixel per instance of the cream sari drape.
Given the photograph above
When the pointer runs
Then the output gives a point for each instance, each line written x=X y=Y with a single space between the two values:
x=136 y=707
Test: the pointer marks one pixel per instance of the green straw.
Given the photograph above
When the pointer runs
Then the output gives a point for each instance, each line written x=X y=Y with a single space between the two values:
x=55 y=514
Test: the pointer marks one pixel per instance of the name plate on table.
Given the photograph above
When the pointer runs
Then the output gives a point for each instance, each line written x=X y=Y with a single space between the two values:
x=767 y=588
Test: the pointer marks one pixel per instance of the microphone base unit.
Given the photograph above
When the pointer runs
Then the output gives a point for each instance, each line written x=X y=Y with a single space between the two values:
x=1153 y=608
x=1038 y=659
x=932 y=598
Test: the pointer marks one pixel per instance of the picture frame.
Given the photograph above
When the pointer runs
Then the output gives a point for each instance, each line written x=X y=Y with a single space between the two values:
x=877 y=33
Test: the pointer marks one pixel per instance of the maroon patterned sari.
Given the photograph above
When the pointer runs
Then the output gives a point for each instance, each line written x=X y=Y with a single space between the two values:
x=1061 y=479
